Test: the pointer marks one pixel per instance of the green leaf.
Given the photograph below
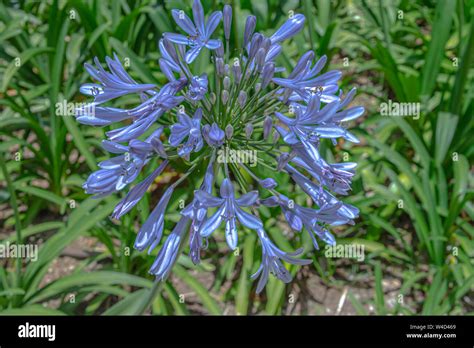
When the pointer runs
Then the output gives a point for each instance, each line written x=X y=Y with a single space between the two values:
x=128 y=305
x=35 y=229
x=389 y=67
x=83 y=220
x=80 y=142
x=12 y=292
x=441 y=28
x=463 y=73
x=208 y=302
x=379 y=296
x=242 y=297
x=435 y=294
x=461 y=176
x=24 y=57
x=41 y=193
x=415 y=140
x=75 y=281
x=445 y=129
x=32 y=310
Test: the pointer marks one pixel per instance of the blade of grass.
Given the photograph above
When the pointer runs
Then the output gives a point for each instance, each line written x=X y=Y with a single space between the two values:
x=441 y=29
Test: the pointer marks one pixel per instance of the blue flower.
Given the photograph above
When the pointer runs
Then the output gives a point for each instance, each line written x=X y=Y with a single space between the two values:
x=213 y=135
x=197 y=212
x=136 y=193
x=303 y=82
x=150 y=233
x=198 y=87
x=229 y=208
x=313 y=220
x=190 y=128
x=199 y=33
x=169 y=61
x=251 y=113
x=145 y=115
x=116 y=173
x=305 y=130
x=169 y=252
x=271 y=262
x=112 y=85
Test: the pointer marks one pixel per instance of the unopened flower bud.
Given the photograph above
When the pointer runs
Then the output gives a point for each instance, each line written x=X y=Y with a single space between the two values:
x=248 y=130
x=205 y=132
x=224 y=96
x=268 y=183
x=159 y=147
x=220 y=51
x=260 y=58
x=212 y=98
x=267 y=74
x=275 y=137
x=242 y=98
x=227 y=21
x=220 y=66
x=267 y=127
x=237 y=71
x=284 y=159
x=170 y=48
x=229 y=131
x=249 y=28
x=255 y=44
x=227 y=83
x=266 y=44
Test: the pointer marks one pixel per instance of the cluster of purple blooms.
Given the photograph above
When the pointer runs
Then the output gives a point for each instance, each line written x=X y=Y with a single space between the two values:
x=242 y=106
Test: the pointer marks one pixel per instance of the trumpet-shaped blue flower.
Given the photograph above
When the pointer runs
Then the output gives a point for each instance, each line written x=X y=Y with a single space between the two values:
x=116 y=173
x=271 y=262
x=303 y=82
x=190 y=128
x=198 y=87
x=229 y=209
x=113 y=84
x=199 y=32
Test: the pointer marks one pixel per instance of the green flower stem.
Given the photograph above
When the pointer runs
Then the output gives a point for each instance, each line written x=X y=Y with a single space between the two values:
x=157 y=285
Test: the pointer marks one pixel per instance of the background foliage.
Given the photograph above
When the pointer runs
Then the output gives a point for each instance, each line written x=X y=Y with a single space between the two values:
x=413 y=185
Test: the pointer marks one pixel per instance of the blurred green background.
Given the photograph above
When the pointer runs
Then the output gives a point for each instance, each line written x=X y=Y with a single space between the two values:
x=413 y=184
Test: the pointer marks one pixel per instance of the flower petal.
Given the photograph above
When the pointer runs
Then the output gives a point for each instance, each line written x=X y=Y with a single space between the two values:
x=213 y=222
x=135 y=194
x=248 y=220
x=207 y=200
x=192 y=54
x=212 y=23
x=198 y=16
x=177 y=38
x=184 y=21
x=231 y=235
x=227 y=189
x=151 y=231
x=247 y=199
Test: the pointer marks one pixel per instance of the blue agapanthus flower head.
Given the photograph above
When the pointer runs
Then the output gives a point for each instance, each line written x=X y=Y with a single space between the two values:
x=226 y=127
